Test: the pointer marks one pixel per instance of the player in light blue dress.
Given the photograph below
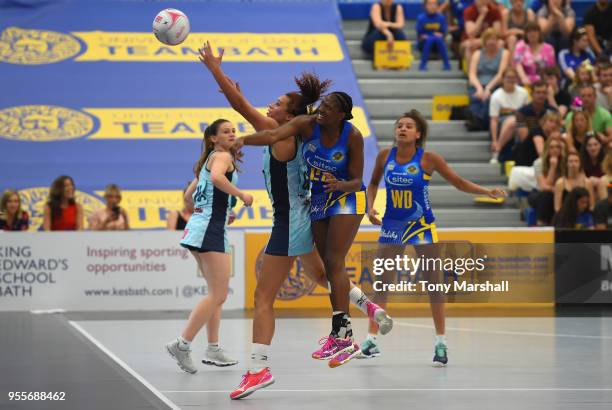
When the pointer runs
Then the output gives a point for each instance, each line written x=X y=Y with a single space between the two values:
x=408 y=220
x=205 y=236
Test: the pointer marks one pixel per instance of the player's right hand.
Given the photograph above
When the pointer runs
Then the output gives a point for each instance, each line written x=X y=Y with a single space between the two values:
x=246 y=198
x=208 y=57
x=372 y=217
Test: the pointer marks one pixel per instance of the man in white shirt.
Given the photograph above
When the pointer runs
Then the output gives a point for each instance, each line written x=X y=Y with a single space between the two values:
x=502 y=108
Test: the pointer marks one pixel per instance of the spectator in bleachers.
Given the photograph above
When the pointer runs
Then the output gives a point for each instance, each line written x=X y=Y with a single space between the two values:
x=578 y=129
x=112 y=217
x=62 y=212
x=431 y=32
x=585 y=75
x=528 y=116
x=575 y=213
x=485 y=74
x=478 y=17
x=507 y=4
x=532 y=54
x=505 y=101
x=604 y=87
x=574 y=177
x=12 y=217
x=578 y=52
x=177 y=220
x=597 y=22
x=602 y=214
x=592 y=154
x=557 y=20
x=514 y=22
x=601 y=120
x=531 y=147
x=386 y=23
x=548 y=168
x=557 y=96
x=456 y=24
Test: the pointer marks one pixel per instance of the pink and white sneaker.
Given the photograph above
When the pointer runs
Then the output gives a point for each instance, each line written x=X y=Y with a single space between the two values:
x=332 y=347
x=380 y=316
x=252 y=382
x=345 y=355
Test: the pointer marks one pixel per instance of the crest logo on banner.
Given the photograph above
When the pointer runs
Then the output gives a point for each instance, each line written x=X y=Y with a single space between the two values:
x=33 y=201
x=39 y=123
x=31 y=47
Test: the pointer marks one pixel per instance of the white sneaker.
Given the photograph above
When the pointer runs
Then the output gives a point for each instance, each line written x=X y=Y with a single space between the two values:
x=182 y=357
x=494 y=160
x=219 y=358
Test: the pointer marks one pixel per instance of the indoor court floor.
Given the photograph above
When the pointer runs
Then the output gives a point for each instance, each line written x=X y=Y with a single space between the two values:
x=494 y=362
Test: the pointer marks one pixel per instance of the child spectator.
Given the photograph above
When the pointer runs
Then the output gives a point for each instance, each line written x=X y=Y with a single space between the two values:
x=557 y=21
x=532 y=54
x=112 y=217
x=485 y=74
x=12 y=217
x=514 y=22
x=431 y=32
x=575 y=212
x=578 y=52
x=386 y=23
x=585 y=75
x=547 y=169
x=574 y=177
x=505 y=101
x=597 y=23
x=62 y=212
x=478 y=17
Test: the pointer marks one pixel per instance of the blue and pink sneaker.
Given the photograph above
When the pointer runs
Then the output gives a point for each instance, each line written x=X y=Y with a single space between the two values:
x=337 y=351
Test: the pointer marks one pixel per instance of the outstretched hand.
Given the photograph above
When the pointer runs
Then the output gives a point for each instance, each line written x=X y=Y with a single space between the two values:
x=208 y=58
x=497 y=193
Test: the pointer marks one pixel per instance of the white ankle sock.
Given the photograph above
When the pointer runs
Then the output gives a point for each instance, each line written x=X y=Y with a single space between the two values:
x=213 y=346
x=184 y=344
x=440 y=339
x=259 y=357
x=359 y=299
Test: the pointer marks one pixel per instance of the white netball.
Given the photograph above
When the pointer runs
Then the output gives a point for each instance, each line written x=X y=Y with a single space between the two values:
x=171 y=26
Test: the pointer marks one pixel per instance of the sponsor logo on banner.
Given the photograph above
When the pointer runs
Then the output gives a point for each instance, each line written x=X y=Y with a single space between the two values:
x=26 y=46
x=49 y=123
x=23 y=46
x=33 y=201
x=42 y=123
x=296 y=285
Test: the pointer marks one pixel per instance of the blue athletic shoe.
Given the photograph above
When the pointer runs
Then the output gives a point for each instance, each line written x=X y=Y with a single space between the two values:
x=440 y=359
x=369 y=349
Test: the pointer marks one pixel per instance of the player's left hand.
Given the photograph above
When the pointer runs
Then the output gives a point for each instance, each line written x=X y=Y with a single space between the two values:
x=331 y=184
x=497 y=193
x=208 y=58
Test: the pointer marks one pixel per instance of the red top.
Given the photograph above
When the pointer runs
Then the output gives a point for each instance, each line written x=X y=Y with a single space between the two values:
x=471 y=14
x=68 y=220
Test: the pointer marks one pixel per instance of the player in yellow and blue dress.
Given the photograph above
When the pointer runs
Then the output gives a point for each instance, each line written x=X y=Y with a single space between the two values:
x=408 y=220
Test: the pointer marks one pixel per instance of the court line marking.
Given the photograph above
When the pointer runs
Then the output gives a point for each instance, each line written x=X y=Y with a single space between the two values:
x=506 y=332
x=124 y=365
x=510 y=389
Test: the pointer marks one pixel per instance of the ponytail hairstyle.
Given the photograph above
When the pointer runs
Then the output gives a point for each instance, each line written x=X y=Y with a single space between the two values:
x=311 y=89
x=421 y=124
x=207 y=144
x=568 y=214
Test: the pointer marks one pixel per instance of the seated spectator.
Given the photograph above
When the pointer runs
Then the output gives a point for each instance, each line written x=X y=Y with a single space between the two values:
x=386 y=23
x=507 y=4
x=604 y=87
x=592 y=156
x=514 y=22
x=585 y=75
x=558 y=97
x=601 y=120
x=12 y=217
x=557 y=21
x=602 y=214
x=575 y=213
x=531 y=148
x=431 y=32
x=177 y=220
x=532 y=54
x=485 y=74
x=528 y=116
x=456 y=24
x=478 y=17
x=597 y=23
x=505 y=101
x=574 y=177
x=578 y=130
x=577 y=53
x=605 y=180
x=62 y=212
x=548 y=168
x=112 y=217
